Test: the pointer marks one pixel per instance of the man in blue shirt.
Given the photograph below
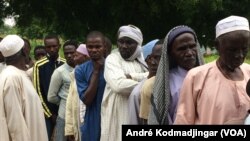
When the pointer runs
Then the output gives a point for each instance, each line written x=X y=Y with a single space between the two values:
x=90 y=85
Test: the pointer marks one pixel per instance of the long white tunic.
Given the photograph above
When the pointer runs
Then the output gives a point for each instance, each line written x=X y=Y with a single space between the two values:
x=114 y=110
x=21 y=113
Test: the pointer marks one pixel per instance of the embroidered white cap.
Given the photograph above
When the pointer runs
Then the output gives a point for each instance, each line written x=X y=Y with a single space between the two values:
x=231 y=23
x=10 y=45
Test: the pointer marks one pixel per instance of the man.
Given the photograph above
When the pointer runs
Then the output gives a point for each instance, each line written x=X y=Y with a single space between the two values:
x=39 y=52
x=181 y=52
x=74 y=118
x=59 y=87
x=123 y=70
x=215 y=93
x=42 y=72
x=21 y=111
x=90 y=85
x=152 y=51
x=147 y=87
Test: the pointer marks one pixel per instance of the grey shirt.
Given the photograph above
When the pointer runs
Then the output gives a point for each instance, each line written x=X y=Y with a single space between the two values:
x=59 y=87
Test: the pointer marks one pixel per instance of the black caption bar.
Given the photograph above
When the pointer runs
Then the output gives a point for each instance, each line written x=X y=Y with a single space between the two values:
x=193 y=132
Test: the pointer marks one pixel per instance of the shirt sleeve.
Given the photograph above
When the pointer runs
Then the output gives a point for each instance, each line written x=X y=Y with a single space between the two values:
x=81 y=81
x=69 y=127
x=54 y=87
x=36 y=82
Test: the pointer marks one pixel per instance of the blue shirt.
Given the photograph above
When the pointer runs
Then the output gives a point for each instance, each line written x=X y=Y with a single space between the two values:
x=91 y=129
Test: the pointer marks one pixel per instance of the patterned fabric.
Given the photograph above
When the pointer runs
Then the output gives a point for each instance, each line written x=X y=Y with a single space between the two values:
x=161 y=93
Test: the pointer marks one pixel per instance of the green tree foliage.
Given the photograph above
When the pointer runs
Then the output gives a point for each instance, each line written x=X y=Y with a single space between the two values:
x=75 y=18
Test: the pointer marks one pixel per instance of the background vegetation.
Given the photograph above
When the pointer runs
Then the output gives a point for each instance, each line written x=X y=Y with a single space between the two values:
x=75 y=18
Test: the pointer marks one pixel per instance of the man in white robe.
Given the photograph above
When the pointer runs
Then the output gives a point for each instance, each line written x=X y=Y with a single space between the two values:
x=21 y=113
x=124 y=69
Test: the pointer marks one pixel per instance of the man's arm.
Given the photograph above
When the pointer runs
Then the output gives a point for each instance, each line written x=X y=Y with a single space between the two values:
x=54 y=87
x=36 y=81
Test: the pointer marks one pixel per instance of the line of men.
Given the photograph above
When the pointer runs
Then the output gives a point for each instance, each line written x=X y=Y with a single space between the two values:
x=168 y=84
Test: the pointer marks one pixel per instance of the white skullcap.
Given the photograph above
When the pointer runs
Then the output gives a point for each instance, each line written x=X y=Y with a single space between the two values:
x=10 y=45
x=132 y=32
x=231 y=23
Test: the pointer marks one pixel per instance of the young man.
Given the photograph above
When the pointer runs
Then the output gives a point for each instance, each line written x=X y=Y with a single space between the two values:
x=20 y=107
x=75 y=109
x=42 y=72
x=90 y=85
x=59 y=87
x=39 y=52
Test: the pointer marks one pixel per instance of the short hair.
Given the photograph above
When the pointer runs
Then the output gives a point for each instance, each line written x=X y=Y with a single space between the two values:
x=38 y=47
x=52 y=36
x=71 y=42
x=96 y=34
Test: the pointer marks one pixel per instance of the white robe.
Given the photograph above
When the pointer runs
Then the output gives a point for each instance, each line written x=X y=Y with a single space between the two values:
x=114 y=110
x=21 y=112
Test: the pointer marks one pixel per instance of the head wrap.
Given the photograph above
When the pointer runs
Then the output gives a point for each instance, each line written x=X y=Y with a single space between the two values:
x=147 y=49
x=10 y=45
x=161 y=97
x=231 y=23
x=82 y=49
x=134 y=33
x=178 y=31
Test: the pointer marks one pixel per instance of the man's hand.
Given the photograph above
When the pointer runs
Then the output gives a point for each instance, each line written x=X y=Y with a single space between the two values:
x=98 y=64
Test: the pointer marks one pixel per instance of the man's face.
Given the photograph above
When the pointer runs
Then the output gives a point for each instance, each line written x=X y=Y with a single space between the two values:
x=127 y=47
x=80 y=58
x=69 y=53
x=233 y=48
x=52 y=47
x=154 y=58
x=40 y=53
x=95 y=47
x=184 y=51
